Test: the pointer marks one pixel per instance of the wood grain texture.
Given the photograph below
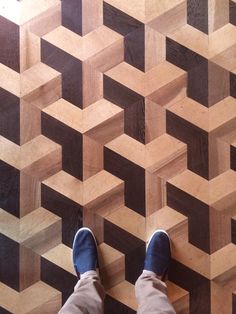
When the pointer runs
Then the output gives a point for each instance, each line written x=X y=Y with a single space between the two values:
x=119 y=116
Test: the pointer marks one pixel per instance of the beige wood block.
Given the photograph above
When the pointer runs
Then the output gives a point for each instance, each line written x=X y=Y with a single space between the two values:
x=109 y=129
x=66 y=184
x=66 y=113
x=7 y=12
x=108 y=202
x=208 y=119
x=98 y=132
x=61 y=255
x=178 y=297
x=99 y=184
x=128 y=220
x=36 y=160
x=40 y=230
x=113 y=55
x=226 y=204
x=45 y=22
x=221 y=296
x=46 y=94
x=111 y=265
x=92 y=87
x=26 y=10
x=30 y=178
x=167 y=219
x=35 y=233
x=155 y=192
x=129 y=148
x=37 y=76
x=103 y=193
x=86 y=119
x=124 y=292
x=176 y=225
x=46 y=166
x=170 y=93
x=9 y=298
x=24 y=156
x=36 y=149
x=92 y=192
x=196 y=259
x=192 y=184
x=40 y=298
x=160 y=171
x=30 y=31
x=92 y=13
x=152 y=156
x=173 y=168
x=155 y=123
x=29 y=48
x=85 y=47
x=51 y=306
x=30 y=194
x=29 y=267
x=9 y=225
x=191 y=38
x=220 y=228
x=30 y=122
x=170 y=20
x=145 y=83
x=92 y=157
x=207 y=46
x=223 y=265
x=10 y=152
x=10 y=80
x=155 y=8
x=209 y=192
x=155 y=48
x=136 y=8
x=217 y=89
x=222 y=39
x=162 y=151
x=219 y=152
x=99 y=113
x=142 y=10
x=192 y=111
x=222 y=186
x=161 y=76
x=222 y=124
x=128 y=76
x=94 y=222
x=218 y=14
x=220 y=194
x=227 y=58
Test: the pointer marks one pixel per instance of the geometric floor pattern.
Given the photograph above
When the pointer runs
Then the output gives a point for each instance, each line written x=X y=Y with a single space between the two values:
x=120 y=116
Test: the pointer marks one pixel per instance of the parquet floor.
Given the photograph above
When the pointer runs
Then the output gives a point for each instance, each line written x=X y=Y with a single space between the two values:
x=121 y=116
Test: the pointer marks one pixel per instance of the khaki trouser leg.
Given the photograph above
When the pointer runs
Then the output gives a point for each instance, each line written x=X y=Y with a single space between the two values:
x=87 y=297
x=151 y=295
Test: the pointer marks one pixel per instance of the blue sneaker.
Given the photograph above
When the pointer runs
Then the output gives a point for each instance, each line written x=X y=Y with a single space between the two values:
x=85 y=255
x=158 y=254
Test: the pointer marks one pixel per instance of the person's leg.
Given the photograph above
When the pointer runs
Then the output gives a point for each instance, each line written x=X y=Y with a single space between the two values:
x=88 y=293
x=150 y=290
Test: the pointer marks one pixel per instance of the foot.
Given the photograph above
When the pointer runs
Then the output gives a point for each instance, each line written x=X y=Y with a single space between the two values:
x=158 y=254
x=85 y=256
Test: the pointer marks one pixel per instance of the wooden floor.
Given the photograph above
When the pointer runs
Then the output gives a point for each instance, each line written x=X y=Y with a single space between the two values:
x=120 y=116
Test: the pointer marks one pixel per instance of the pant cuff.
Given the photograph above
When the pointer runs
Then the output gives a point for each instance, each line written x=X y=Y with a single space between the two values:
x=89 y=273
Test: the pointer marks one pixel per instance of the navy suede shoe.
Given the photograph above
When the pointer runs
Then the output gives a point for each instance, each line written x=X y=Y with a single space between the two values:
x=85 y=255
x=158 y=254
